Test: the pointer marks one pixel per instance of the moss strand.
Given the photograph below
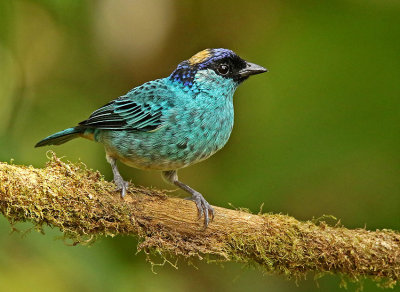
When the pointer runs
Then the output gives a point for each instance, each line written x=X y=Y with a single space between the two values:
x=84 y=206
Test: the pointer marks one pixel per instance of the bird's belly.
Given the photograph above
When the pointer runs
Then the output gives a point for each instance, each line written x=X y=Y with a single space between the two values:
x=173 y=146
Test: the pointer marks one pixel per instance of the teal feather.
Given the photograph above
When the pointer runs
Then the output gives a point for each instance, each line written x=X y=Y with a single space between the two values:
x=169 y=123
x=61 y=137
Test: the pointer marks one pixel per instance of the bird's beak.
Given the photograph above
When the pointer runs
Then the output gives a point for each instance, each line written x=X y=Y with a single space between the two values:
x=251 y=69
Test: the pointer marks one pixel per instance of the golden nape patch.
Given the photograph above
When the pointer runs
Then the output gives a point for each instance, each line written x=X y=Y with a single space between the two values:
x=200 y=57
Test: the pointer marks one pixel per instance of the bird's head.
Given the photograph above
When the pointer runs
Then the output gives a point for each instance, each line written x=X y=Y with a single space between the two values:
x=217 y=66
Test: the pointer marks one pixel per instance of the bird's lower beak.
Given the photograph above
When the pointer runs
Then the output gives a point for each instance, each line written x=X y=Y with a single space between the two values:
x=252 y=69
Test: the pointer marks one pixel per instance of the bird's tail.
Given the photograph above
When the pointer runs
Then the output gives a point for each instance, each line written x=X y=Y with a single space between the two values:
x=61 y=137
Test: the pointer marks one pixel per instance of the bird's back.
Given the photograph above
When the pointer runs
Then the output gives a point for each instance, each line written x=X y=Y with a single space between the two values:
x=193 y=124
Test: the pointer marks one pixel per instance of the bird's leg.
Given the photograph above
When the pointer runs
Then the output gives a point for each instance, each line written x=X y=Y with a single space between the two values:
x=203 y=207
x=118 y=180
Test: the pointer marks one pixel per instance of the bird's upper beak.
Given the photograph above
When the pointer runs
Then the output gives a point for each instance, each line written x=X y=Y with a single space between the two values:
x=251 y=69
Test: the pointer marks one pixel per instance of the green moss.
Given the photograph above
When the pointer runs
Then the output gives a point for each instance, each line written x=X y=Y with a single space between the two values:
x=84 y=207
x=44 y=194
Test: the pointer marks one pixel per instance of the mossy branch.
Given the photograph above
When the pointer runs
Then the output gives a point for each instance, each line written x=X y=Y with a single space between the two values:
x=83 y=205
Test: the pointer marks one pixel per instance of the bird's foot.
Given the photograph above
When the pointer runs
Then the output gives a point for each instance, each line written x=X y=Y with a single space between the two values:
x=203 y=208
x=121 y=185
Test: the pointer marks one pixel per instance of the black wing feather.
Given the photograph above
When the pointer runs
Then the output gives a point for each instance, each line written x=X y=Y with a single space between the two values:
x=125 y=113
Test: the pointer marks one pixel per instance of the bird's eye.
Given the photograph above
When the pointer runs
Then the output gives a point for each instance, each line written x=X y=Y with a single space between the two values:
x=223 y=69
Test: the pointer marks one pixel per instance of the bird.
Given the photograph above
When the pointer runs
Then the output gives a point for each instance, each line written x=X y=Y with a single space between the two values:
x=169 y=123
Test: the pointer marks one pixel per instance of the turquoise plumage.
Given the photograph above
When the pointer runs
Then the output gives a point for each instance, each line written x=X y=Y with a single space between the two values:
x=169 y=123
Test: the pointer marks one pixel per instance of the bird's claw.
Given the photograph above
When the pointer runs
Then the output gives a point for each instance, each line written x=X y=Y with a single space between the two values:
x=121 y=185
x=203 y=208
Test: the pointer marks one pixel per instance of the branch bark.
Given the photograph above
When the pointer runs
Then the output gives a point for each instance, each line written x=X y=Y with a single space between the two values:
x=83 y=205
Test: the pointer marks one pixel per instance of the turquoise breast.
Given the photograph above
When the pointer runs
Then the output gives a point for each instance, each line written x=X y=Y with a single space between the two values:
x=196 y=124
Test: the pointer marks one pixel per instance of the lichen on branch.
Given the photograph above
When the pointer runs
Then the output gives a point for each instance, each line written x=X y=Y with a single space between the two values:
x=84 y=206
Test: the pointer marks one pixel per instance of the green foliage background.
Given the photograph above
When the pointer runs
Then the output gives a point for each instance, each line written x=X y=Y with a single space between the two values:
x=318 y=134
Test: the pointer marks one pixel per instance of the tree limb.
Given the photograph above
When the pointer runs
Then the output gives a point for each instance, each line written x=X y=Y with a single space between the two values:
x=82 y=205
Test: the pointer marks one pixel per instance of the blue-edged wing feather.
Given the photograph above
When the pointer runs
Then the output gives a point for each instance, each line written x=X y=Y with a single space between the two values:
x=139 y=110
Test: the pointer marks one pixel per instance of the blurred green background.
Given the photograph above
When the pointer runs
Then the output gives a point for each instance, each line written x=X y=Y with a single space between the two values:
x=318 y=134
